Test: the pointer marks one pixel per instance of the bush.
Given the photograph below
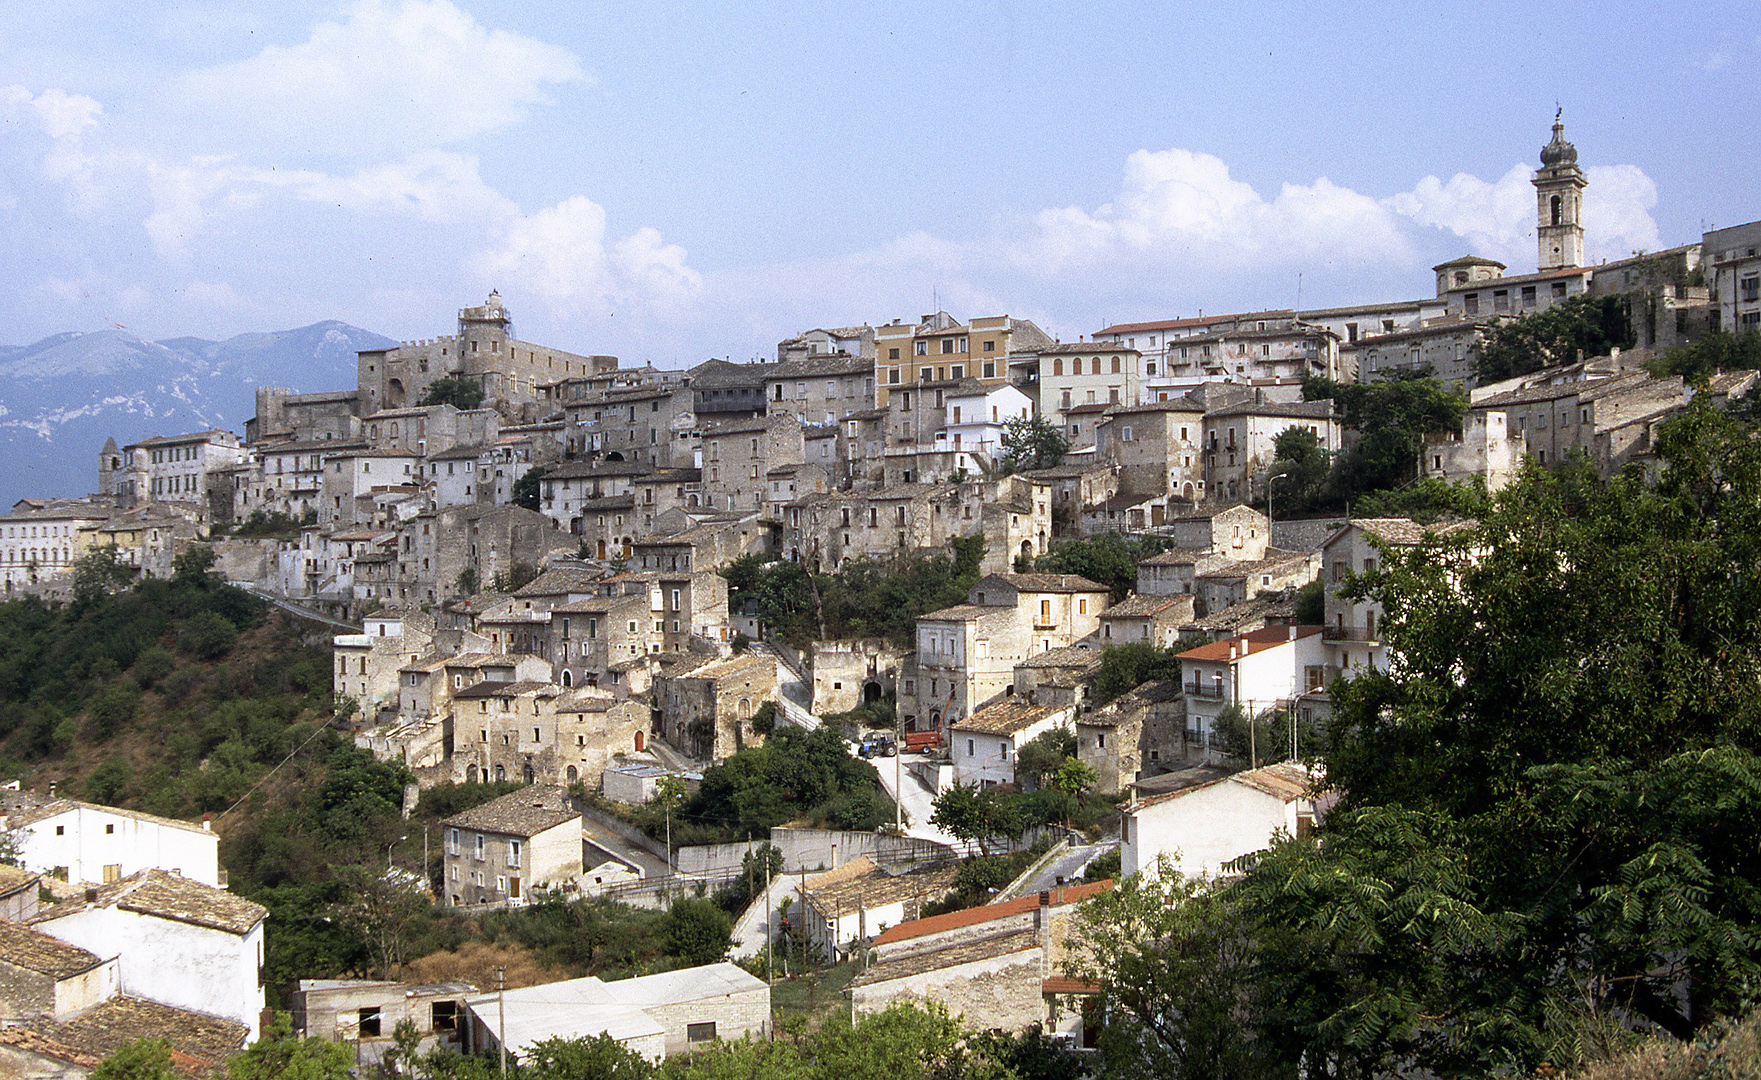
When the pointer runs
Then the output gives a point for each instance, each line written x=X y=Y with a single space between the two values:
x=151 y=665
x=207 y=635
x=697 y=931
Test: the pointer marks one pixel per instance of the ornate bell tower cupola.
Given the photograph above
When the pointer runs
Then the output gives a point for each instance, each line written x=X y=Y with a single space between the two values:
x=1559 y=190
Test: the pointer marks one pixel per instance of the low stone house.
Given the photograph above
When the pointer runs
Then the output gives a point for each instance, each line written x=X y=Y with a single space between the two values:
x=508 y=848
x=1202 y=828
x=1061 y=677
x=1134 y=735
x=1150 y=620
x=364 y=1013
x=707 y=711
x=657 y=1016
x=984 y=745
x=859 y=899
x=997 y=966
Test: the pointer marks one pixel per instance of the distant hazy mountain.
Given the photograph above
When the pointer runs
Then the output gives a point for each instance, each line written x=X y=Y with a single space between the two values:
x=63 y=396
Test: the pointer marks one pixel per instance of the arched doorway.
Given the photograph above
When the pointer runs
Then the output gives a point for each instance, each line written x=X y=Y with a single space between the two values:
x=871 y=691
x=528 y=772
x=640 y=741
x=568 y=679
x=394 y=394
x=574 y=774
x=471 y=775
x=501 y=774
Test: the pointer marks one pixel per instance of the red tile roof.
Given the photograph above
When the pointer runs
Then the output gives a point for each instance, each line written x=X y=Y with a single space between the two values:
x=953 y=920
x=1221 y=652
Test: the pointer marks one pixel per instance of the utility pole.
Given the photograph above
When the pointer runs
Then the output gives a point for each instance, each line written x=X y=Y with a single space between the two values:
x=501 y=1017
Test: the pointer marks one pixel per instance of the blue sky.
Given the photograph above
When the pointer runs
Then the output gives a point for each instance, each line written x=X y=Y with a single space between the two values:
x=673 y=181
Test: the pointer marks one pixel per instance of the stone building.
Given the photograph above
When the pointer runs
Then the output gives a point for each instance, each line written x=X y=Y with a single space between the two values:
x=1734 y=258
x=1238 y=442
x=1157 y=448
x=171 y=468
x=1137 y=734
x=507 y=849
x=42 y=539
x=706 y=710
x=1153 y=620
x=737 y=456
x=484 y=351
x=998 y=966
x=820 y=389
x=1077 y=373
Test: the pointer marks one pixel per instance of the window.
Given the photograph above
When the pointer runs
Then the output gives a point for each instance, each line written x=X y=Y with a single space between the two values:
x=922 y=348
x=1100 y=740
x=368 y=1022
x=445 y=1015
x=703 y=1032
x=514 y=847
x=480 y=838
x=893 y=354
x=969 y=750
x=109 y=830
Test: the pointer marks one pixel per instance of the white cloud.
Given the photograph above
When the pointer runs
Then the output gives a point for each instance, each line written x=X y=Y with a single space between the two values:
x=57 y=113
x=421 y=73
x=1183 y=205
x=560 y=255
x=1496 y=218
x=1617 y=212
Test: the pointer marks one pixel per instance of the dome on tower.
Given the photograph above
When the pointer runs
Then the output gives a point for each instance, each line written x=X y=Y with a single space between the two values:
x=1559 y=152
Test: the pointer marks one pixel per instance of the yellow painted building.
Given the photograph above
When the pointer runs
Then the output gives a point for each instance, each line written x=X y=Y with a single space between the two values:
x=940 y=348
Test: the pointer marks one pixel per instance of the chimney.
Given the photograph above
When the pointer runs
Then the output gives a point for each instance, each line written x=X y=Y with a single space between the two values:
x=207 y=822
x=91 y=896
x=1292 y=631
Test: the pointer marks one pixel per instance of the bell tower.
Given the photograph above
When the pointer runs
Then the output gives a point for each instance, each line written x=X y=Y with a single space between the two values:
x=1559 y=198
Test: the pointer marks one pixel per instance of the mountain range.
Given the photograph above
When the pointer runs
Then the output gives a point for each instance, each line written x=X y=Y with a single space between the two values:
x=61 y=397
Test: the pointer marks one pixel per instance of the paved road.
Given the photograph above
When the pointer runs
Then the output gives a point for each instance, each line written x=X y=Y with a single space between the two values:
x=653 y=866
x=919 y=802
x=1068 y=866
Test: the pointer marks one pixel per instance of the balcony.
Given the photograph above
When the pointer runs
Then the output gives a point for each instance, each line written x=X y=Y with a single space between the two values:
x=1213 y=692
x=1366 y=634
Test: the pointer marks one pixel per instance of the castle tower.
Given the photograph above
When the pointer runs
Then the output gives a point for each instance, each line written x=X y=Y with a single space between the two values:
x=1559 y=200
x=483 y=334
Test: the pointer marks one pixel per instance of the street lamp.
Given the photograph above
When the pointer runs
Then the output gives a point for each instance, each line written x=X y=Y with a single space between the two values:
x=391 y=845
x=1270 y=480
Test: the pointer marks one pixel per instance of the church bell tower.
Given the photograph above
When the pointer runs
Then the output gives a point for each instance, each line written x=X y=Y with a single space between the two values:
x=1559 y=196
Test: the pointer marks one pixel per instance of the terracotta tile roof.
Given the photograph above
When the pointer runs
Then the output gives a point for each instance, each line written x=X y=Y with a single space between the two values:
x=204 y=1042
x=1004 y=718
x=527 y=812
x=1064 y=984
x=859 y=883
x=1254 y=641
x=1068 y=583
x=949 y=956
x=973 y=916
x=33 y=950
x=166 y=896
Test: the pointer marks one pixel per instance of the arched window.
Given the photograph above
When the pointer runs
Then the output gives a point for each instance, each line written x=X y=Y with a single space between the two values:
x=1097 y=365
x=1556 y=210
x=1115 y=365
x=1057 y=365
x=568 y=679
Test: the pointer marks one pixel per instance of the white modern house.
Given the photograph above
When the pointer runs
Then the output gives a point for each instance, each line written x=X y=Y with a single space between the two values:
x=1256 y=671
x=657 y=1016
x=1201 y=828
x=84 y=842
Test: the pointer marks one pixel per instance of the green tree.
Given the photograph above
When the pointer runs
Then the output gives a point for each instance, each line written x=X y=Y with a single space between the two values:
x=459 y=391
x=1583 y=326
x=1299 y=471
x=600 y=1057
x=193 y=563
x=207 y=635
x=1539 y=803
x=1106 y=559
x=697 y=931
x=143 y=1059
x=978 y=815
x=1179 y=963
x=279 y=1055
x=529 y=488
x=1126 y=667
x=1032 y=442
x=1043 y=754
x=1724 y=351
x=1393 y=415
x=99 y=573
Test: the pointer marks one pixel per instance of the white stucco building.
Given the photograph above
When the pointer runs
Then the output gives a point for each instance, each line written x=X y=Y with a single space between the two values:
x=84 y=842
x=178 y=942
x=1202 y=828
